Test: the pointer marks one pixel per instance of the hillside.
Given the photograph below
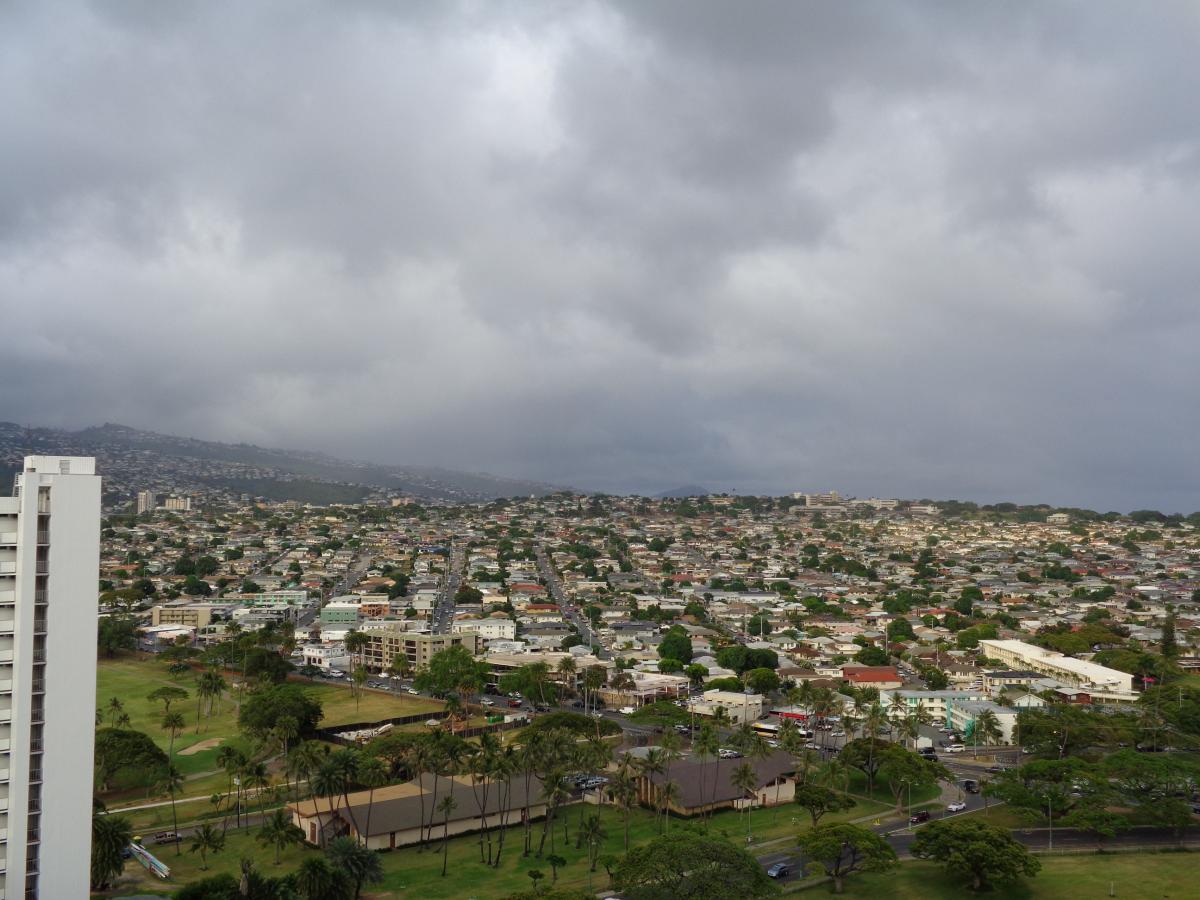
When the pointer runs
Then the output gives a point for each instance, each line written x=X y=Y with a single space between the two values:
x=132 y=460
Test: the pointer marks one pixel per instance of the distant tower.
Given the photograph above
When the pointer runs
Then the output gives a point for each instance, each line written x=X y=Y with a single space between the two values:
x=49 y=566
x=145 y=502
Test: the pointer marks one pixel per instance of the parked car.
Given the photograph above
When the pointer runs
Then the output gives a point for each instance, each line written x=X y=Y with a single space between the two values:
x=514 y=703
x=487 y=701
x=918 y=817
x=628 y=710
x=167 y=837
x=955 y=748
x=956 y=806
x=779 y=870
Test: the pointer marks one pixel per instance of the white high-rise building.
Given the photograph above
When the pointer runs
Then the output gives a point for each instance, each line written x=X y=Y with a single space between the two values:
x=49 y=565
x=145 y=502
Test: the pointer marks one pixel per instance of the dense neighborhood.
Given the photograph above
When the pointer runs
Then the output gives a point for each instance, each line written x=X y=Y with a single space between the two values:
x=898 y=672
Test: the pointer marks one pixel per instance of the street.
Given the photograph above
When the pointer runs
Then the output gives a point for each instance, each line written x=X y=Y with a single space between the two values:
x=569 y=611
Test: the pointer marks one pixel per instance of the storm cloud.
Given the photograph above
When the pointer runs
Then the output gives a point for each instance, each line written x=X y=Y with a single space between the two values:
x=923 y=249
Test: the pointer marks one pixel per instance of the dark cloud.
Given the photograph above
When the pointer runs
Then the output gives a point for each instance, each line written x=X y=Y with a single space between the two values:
x=915 y=249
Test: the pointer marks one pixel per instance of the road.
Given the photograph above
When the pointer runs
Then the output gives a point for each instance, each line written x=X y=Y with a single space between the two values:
x=569 y=610
x=443 y=613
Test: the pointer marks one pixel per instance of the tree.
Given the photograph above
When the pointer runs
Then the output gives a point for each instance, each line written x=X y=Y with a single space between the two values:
x=206 y=840
x=842 y=850
x=279 y=832
x=676 y=645
x=763 y=681
x=110 y=836
x=361 y=865
x=820 y=800
x=1170 y=648
x=872 y=656
x=445 y=807
x=168 y=694
x=974 y=850
x=1098 y=821
x=452 y=671
x=262 y=710
x=170 y=781
x=555 y=861
x=316 y=879
x=688 y=866
x=172 y=723
x=128 y=757
x=116 y=633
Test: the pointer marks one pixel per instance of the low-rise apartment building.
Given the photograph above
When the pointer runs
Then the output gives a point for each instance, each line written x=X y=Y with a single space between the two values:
x=385 y=643
x=1099 y=681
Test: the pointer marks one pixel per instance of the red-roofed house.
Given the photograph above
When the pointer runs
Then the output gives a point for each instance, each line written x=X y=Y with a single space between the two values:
x=882 y=677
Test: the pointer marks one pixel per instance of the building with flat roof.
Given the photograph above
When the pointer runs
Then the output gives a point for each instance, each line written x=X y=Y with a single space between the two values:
x=1099 y=681
x=190 y=615
x=385 y=643
x=739 y=706
x=49 y=566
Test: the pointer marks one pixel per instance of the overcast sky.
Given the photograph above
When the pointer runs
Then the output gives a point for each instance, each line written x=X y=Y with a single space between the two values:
x=924 y=249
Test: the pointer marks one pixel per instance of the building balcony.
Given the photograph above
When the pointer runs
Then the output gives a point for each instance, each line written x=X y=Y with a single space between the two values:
x=5 y=715
x=43 y=538
x=8 y=539
x=6 y=656
x=8 y=567
x=42 y=567
x=8 y=597
x=5 y=685
x=6 y=626
x=5 y=745
x=4 y=775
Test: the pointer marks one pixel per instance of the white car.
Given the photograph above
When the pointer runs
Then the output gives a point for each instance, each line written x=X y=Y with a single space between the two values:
x=956 y=806
x=488 y=701
x=954 y=748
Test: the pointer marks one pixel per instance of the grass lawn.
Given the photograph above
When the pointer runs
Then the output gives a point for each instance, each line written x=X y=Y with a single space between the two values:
x=131 y=680
x=186 y=866
x=413 y=873
x=1132 y=876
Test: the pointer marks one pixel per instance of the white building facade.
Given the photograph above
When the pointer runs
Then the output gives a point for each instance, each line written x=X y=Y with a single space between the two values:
x=49 y=565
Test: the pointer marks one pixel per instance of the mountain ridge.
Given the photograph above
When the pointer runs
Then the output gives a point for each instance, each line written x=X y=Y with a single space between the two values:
x=174 y=463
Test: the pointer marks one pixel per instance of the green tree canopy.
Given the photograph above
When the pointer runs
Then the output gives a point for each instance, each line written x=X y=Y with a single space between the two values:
x=690 y=866
x=976 y=851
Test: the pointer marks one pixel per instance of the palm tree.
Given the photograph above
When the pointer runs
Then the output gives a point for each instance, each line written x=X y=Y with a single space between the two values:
x=110 y=836
x=317 y=879
x=361 y=865
x=205 y=840
x=232 y=761
x=670 y=793
x=255 y=777
x=358 y=678
x=346 y=762
x=445 y=808
x=987 y=728
x=372 y=774
x=744 y=779
x=566 y=673
x=279 y=832
x=653 y=763
x=671 y=748
x=115 y=706
x=594 y=836
x=624 y=791
x=170 y=782
x=327 y=782
x=210 y=687
x=706 y=745
x=417 y=759
x=173 y=723
x=593 y=679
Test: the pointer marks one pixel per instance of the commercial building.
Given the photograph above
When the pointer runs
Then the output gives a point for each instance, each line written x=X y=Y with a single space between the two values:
x=391 y=816
x=488 y=629
x=1101 y=682
x=385 y=643
x=49 y=566
x=739 y=707
x=961 y=715
x=191 y=615
x=936 y=703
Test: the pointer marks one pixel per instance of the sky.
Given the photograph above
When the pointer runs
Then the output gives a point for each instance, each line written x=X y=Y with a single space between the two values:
x=914 y=249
